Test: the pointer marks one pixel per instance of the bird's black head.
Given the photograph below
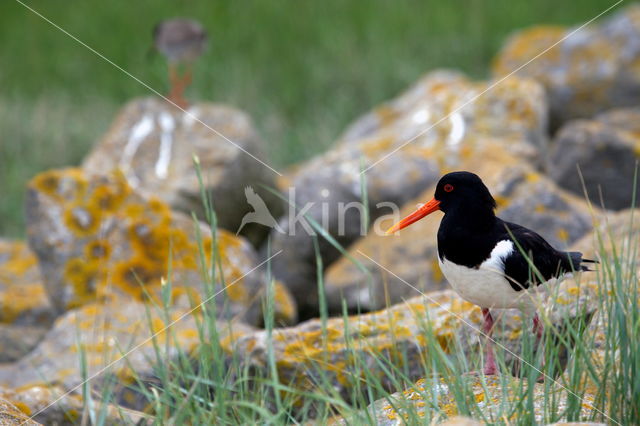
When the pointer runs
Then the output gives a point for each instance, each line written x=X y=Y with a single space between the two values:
x=463 y=191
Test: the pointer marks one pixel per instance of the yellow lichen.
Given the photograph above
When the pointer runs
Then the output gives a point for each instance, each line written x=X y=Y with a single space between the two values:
x=133 y=275
x=17 y=299
x=98 y=250
x=82 y=221
x=81 y=275
x=107 y=198
x=563 y=235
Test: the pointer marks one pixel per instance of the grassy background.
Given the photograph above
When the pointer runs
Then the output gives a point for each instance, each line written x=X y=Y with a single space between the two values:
x=303 y=69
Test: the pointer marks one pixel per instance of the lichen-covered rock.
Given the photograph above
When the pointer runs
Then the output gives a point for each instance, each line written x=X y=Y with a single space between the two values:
x=592 y=70
x=11 y=415
x=404 y=146
x=523 y=196
x=18 y=340
x=446 y=110
x=615 y=234
x=23 y=300
x=25 y=311
x=117 y=337
x=308 y=355
x=428 y=400
x=96 y=238
x=153 y=143
x=50 y=406
x=607 y=150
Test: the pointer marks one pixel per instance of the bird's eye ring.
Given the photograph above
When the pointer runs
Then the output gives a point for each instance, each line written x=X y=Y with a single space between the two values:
x=448 y=188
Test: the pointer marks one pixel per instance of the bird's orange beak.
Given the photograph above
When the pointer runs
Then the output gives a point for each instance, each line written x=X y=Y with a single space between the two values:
x=423 y=211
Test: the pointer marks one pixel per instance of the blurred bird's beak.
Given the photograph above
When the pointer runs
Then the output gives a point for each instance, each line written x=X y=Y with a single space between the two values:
x=423 y=211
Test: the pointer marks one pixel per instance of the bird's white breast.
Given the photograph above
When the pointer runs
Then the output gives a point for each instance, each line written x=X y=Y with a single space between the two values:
x=486 y=286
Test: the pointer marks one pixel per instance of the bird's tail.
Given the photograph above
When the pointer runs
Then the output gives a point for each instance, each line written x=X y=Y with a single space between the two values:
x=575 y=257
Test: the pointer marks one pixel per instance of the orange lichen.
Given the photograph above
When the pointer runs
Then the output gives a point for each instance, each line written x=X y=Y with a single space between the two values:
x=47 y=183
x=563 y=235
x=17 y=299
x=82 y=276
x=81 y=220
x=284 y=303
x=24 y=408
x=19 y=259
x=133 y=275
x=107 y=198
x=98 y=250
x=158 y=207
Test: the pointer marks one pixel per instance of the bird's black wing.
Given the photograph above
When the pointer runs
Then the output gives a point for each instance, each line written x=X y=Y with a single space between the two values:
x=531 y=248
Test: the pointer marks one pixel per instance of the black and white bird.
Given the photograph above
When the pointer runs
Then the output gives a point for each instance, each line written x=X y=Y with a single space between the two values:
x=487 y=261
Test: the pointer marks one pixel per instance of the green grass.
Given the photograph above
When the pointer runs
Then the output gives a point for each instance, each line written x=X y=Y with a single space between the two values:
x=302 y=69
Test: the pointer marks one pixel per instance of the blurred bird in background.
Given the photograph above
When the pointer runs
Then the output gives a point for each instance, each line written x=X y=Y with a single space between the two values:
x=181 y=41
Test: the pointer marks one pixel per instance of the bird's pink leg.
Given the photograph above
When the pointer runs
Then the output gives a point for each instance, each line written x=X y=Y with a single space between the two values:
x=490 y=368
x=538 y=328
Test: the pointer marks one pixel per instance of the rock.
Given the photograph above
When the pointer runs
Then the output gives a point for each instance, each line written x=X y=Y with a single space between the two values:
x=18 y=340
x=154 y=144
x=511 y=117
x=50 y=405
x=403 y=335
x=592 y=70
x=25 y=311
x=23 y=300
x=11 y=415
x=617 y=233
x=96 y=238
x=606 y=150
x=116 y=340
x=444 y=109
x=494 y=397
x=523 y=196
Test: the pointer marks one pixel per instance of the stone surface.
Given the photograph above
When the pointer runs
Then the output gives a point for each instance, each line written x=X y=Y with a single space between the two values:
x=23 y=300
x=117 y=341
x=404 y=146
x=50 y=406
x=18 y=340
x=403 y=335
x=25 y=311
x=615 y=233
x=592 y=70
x=428 y=400
x=607 y=150
x=96 y=238
x=11 y=415
x=153 y=143
x=523 y=196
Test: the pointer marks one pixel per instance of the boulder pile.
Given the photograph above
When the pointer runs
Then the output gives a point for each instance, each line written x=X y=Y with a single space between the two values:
x=124 y=259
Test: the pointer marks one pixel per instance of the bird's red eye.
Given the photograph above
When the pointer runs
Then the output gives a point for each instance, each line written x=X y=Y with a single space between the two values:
x=448 y=188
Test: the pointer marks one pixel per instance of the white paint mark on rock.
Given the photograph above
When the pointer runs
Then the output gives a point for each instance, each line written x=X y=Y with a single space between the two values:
x=138 y=134
x=167 y=125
